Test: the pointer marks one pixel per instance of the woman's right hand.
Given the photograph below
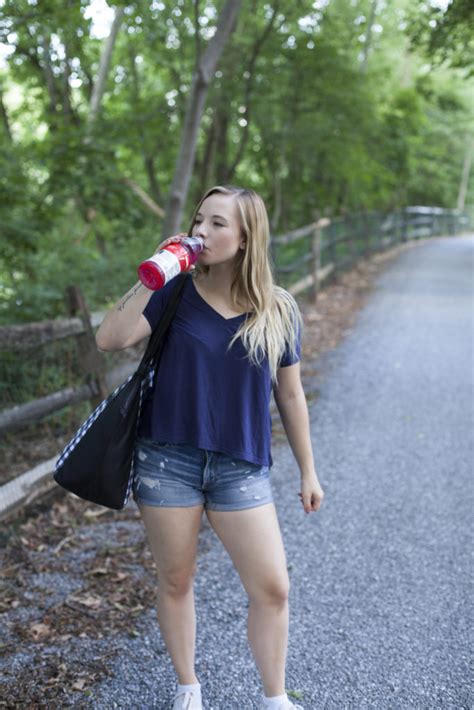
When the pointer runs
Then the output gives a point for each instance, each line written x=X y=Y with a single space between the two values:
x=175 y=240
x=171 y=240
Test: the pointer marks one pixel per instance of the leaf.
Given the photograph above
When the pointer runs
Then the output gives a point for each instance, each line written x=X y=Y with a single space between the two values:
x=91 y=601
x=98 y=570
x=39 y=631
x=297 y=694
x=10 y=571
x=120 y=607
x=91 y=513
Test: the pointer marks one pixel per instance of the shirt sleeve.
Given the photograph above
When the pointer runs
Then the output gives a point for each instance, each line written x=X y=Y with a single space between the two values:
x=156 y=306
x=286 y=358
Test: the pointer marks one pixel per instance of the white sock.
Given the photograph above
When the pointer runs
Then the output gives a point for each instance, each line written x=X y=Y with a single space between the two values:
x=194 y=687
x=275 y=701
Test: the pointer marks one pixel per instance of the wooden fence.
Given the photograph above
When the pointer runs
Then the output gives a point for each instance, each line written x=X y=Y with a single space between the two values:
x=318 y=250
x=328 y=246
x=96 y=382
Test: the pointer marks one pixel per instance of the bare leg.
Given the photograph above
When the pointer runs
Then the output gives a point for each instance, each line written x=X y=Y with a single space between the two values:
x=173 y=537
x=253 y=540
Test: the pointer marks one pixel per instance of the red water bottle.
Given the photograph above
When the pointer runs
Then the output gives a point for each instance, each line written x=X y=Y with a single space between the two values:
x=170 y=261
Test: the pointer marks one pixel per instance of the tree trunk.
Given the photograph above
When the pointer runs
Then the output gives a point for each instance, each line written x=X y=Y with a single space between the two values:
x=154 y=188
x=4 y=118
x=222 y=122
x=368 y=36
x=50 y=80
x=104 y=65
x=203 y=74
x=207 y=158
x=69 y=113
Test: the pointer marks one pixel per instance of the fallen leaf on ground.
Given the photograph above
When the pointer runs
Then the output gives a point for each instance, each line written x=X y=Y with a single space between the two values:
x=39 y=631
x=91 y=601
x=79 y=684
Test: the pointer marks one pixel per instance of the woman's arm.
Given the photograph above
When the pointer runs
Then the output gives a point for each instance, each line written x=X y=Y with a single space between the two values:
x=124 y=325
x=292 y=406
x=291 y=402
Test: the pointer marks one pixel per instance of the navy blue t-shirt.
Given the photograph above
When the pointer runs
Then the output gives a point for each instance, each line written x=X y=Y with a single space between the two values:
x=204 y=396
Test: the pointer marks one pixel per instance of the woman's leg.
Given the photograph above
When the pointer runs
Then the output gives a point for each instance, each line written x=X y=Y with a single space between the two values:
x=173 y=537
x=253 y=540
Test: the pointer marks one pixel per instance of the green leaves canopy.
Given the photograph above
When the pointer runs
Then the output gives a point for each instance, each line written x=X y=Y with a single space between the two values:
x=303 y=107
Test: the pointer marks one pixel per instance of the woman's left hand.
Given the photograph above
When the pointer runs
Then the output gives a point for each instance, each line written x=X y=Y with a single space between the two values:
x=312 y=494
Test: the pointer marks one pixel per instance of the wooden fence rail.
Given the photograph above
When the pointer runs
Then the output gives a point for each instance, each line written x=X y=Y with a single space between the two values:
x=23 y=414
x=32 y=335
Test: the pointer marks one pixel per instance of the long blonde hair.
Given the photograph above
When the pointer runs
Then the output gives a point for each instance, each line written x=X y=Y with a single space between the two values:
x=275 y=319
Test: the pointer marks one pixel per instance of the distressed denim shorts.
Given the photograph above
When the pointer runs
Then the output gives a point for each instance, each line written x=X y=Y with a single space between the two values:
x=178 y=475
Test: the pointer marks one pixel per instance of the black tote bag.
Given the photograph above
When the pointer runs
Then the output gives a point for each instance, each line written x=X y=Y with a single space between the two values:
x=97 y=464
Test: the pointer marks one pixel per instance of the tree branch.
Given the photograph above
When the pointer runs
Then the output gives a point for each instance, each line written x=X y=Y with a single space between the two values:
x=4 y=117
x=148 y=160
x=197 y=36
x=104 y=65
x=257 y=47
x=146 y=199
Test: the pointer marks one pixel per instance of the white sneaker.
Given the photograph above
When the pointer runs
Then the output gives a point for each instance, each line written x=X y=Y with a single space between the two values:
x=187 y=700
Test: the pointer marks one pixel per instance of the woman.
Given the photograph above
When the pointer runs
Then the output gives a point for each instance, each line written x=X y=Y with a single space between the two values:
x=205 y=434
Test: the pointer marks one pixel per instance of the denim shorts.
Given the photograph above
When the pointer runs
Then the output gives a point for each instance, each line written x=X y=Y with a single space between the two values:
x=179 y=475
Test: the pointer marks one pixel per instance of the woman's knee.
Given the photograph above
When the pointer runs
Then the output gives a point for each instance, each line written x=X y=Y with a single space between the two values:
x=271 y=592
x=176 y=583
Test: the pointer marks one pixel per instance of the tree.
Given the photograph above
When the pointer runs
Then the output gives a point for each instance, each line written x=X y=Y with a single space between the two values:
x=203 y=74
x=292 y=107
x=445 y=35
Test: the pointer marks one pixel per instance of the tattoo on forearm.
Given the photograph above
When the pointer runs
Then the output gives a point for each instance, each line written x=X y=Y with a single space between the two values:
x=129 y=296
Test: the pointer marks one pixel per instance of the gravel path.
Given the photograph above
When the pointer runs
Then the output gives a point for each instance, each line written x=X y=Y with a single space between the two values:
x=381 y=575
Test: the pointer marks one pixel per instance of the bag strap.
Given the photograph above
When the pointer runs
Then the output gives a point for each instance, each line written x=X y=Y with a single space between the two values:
x=156 y=342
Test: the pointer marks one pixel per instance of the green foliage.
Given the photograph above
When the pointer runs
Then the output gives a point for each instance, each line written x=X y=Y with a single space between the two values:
x=303 y=108
x=39 y=374
x=67 y=255
x=296 y=694
x=446 y=35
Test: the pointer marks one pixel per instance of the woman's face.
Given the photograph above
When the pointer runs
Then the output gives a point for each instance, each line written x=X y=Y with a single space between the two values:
x=217 y=223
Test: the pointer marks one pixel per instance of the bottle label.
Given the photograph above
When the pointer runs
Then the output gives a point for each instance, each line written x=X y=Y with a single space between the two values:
x=168 y=262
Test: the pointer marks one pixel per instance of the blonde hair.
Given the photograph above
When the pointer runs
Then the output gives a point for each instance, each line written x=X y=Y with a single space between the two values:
x=275 y=319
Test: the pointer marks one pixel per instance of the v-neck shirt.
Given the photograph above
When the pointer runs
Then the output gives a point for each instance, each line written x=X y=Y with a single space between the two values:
x=193 y=285
x=204 y=395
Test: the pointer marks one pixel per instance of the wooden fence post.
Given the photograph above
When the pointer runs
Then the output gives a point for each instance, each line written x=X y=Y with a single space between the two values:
x=454 y=223
x=405 y=225
x=92 y=363
x=316 y=244
x=400 y=234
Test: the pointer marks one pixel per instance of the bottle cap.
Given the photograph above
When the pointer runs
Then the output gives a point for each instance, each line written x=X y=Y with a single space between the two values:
x=196 y=244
